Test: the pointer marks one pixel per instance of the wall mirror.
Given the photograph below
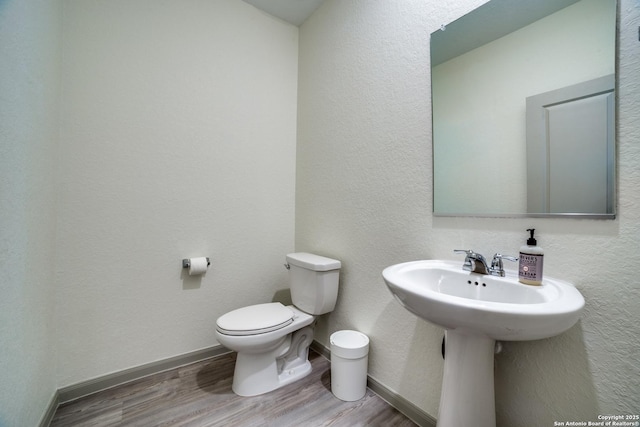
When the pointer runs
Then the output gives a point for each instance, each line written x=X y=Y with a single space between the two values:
x=523 y=98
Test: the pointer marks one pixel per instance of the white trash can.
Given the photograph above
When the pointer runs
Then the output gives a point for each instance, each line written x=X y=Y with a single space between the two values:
x=349 y=359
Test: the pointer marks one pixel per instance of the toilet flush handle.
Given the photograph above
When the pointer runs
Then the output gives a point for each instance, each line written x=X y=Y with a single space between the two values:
x=287 y=266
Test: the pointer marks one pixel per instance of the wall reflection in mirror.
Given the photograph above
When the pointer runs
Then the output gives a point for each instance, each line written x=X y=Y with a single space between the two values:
x=523 y=110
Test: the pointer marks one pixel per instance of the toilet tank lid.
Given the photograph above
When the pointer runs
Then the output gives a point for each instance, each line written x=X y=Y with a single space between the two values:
x=313 y=262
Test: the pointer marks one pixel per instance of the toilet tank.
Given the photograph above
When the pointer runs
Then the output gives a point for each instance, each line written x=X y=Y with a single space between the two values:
x=313 y=280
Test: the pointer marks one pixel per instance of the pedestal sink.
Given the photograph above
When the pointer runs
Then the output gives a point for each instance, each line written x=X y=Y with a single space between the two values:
x=476 y=310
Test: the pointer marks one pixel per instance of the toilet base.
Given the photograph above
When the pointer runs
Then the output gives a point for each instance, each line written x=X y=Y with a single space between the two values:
x=264 y=372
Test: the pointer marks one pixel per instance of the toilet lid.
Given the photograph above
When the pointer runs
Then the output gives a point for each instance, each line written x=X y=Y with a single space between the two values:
x=255 y=319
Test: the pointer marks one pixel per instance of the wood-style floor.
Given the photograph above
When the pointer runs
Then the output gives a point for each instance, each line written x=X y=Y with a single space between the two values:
x=200 y=394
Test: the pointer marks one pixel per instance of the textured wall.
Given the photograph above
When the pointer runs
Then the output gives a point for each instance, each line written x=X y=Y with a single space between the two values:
x=364 y=194
x=29 y=59
x=177 y=139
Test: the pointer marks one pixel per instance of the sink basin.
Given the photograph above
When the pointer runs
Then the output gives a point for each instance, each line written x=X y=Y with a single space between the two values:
x=476 y=310
x=502 y=308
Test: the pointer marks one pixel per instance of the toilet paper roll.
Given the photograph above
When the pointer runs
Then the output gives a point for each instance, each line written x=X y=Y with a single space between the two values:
x=197 y=266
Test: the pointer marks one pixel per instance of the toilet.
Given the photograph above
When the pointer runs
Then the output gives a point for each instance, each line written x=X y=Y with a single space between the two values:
x=272 y=340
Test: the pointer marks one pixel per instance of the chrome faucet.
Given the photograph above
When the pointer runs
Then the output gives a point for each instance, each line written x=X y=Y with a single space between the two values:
x=497 y=268
x=473 y=262
x=476 y=263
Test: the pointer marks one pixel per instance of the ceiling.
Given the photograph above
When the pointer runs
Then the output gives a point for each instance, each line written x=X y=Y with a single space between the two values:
x=487 y=23
x=293 y=11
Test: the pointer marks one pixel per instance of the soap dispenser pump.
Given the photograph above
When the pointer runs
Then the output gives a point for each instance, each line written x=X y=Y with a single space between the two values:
x=531 y=261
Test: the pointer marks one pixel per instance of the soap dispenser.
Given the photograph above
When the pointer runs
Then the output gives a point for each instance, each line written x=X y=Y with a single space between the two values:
x=531 y=260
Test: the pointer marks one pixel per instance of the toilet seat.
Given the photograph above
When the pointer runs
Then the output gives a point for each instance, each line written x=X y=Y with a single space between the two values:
x=255 y=319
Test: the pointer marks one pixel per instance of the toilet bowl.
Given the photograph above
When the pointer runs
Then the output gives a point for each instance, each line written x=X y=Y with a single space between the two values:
x=272 y=340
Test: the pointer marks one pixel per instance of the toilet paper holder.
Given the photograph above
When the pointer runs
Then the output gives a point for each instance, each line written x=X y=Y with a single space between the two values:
x=186 y=263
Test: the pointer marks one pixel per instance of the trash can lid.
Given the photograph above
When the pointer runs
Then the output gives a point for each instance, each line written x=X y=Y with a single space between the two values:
x=349 y=344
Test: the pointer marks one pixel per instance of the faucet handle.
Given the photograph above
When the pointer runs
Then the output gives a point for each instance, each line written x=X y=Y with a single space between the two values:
x=464 y=251
x=500 y=257
x=496 y=264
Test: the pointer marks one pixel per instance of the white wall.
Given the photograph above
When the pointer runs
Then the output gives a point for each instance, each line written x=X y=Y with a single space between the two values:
x=29 y=60
x=178 y=139
x=526 y=62
x=364 y=193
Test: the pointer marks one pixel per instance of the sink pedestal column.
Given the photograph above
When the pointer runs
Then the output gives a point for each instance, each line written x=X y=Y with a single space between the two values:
x=468 y=397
